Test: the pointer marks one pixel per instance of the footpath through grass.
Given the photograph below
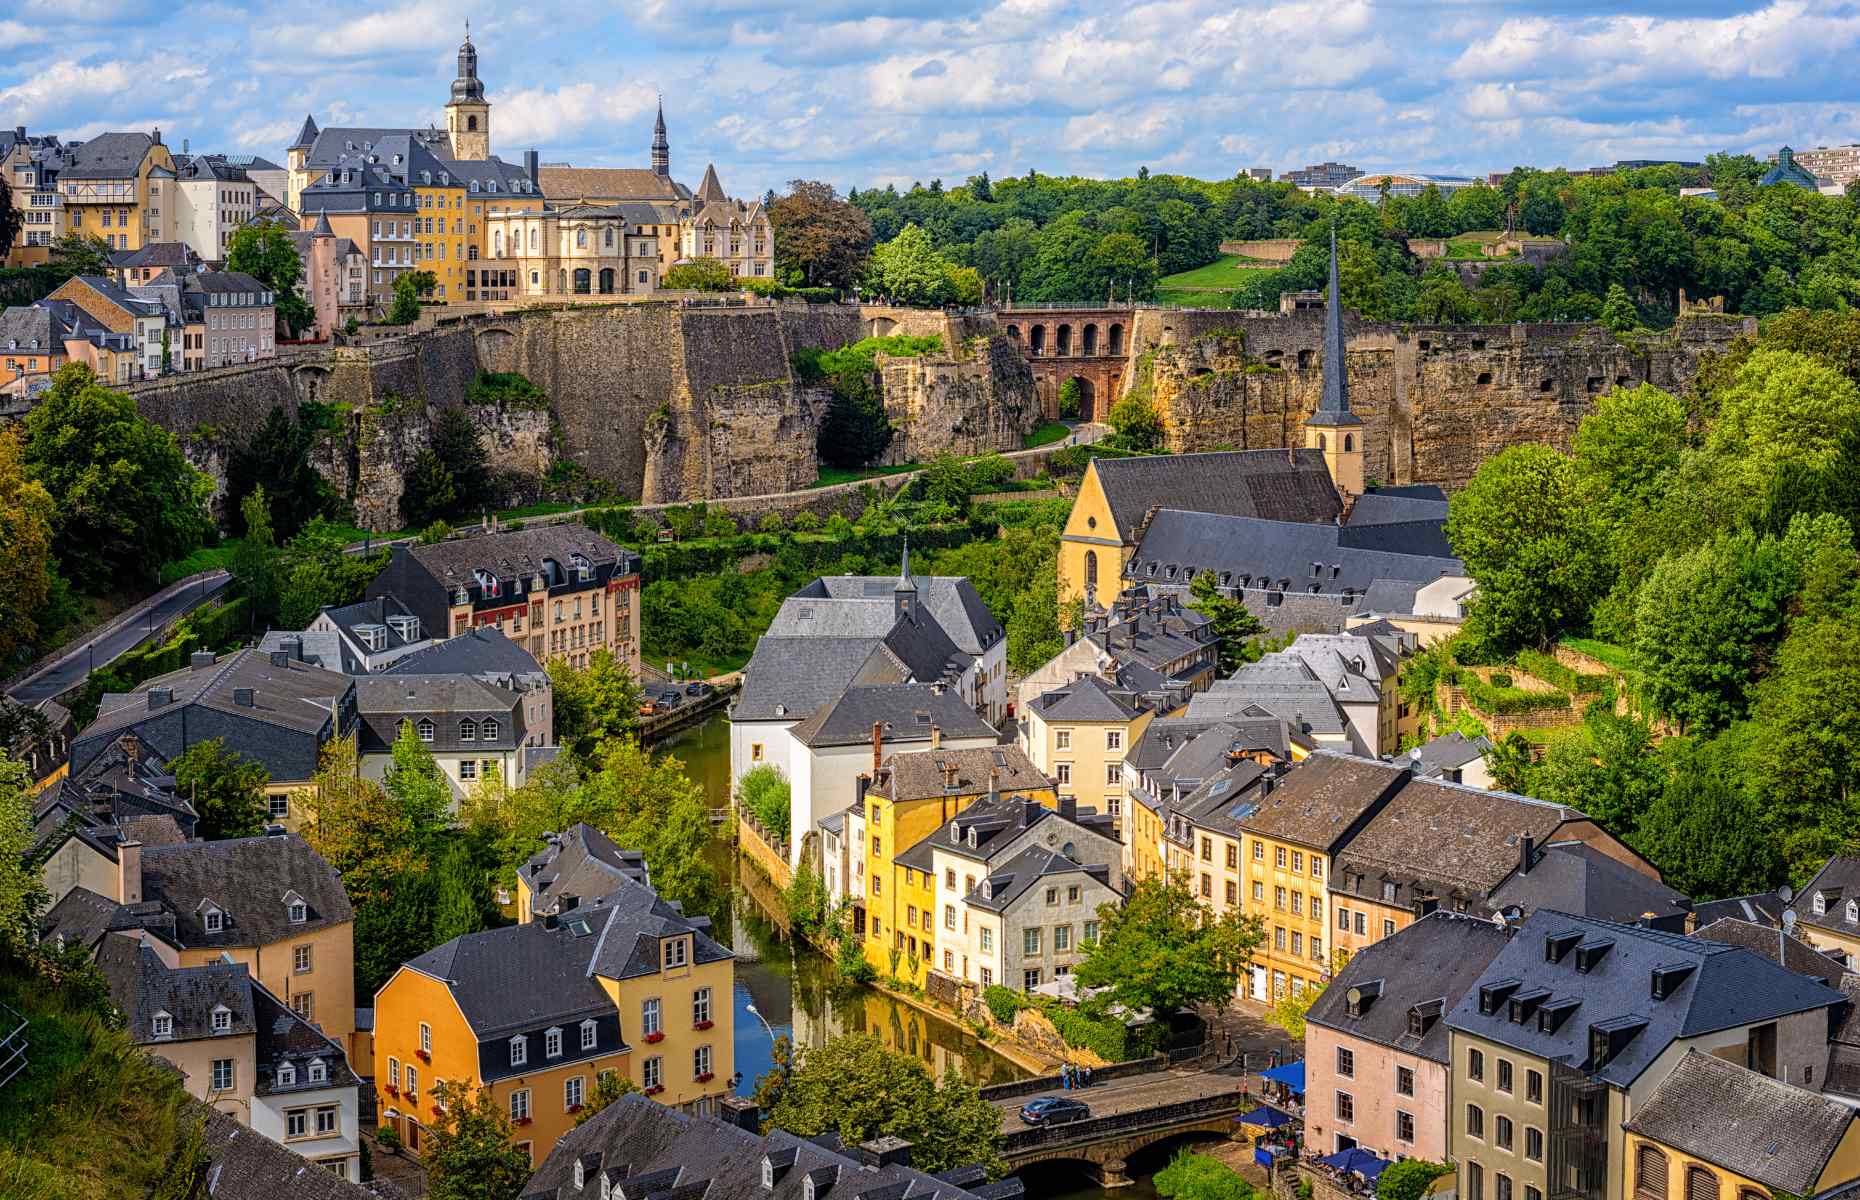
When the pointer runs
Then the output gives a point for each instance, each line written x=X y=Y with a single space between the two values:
x=1048 y=433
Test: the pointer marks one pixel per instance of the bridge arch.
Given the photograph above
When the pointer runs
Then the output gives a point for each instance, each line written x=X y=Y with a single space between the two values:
x=1115 y=342
x=1088 y=340
x=1036 y=340
x=1063 y=341
x=497 y=348
x=882 y=327
x=1088 y=398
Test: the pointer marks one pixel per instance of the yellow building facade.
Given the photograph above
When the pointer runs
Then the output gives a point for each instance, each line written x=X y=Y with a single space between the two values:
x=121 y=187
x=1077 y=735
x=1093 y=551
x=439 y=236
x=913 y=796
x=1284 y=887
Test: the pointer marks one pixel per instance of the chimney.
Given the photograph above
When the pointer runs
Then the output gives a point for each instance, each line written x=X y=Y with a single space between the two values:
x=949 y=773
x=994 y=783
x=160 y=697
x=878 y=746
x=936 y=736
x=532 y=167
x=861 y=785
x=276 y=831
x=549 y=920
x=886 y=1151
x=1526 y=844
x=244 y=698
x=129 y=872
x=131 y=747
x=202 y=658
x=1069 y=807
x=744 y=1114
x=280 y=658
x=294 y=646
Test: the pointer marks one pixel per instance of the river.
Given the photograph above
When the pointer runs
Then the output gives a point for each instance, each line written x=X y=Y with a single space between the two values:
x=782 y=990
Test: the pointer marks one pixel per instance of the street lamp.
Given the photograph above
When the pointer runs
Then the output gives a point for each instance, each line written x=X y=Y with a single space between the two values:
x=751 y=1009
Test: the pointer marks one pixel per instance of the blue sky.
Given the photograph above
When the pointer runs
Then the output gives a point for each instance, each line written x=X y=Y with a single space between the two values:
x=876 y=92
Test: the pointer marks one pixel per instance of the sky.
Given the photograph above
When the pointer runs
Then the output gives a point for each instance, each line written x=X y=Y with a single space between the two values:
x=897 y=91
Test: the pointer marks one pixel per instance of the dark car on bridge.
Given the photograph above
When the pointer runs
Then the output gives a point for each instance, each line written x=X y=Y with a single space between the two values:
x=1054 y=1110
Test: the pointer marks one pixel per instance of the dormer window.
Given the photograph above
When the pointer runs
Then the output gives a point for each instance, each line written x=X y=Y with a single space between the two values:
x=299 y=912
x=487 y=731
x=588 y=1031
x=581 y=1178
x=468 y=730
x=319 y=1071
x=552 y=1042
x=583 y=568
x=1853 y=911
x=519 y=1050
x=287 y=1075
x=487 y=582
x=222 y=1019
x=425 y=729
x=1821 y=904
x=675 y=952
x=213 y=920
x=162 y=1025
x=1590 y=954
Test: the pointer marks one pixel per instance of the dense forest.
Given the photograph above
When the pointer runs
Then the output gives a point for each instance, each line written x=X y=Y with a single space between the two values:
x=1042 y=238
x=1704 y=546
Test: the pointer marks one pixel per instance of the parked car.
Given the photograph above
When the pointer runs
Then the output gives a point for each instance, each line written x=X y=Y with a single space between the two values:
x=1054 y=1110
x=698 y=688
x=649 y=708
x=670 y=698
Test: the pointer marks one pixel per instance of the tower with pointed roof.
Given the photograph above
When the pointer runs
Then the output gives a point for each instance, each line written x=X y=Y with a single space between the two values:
x=468 y=113
x=661 y=148
x=904 y=595
x=1333 y=429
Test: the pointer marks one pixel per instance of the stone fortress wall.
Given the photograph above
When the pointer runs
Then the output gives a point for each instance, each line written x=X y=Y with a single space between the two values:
x=677 y=404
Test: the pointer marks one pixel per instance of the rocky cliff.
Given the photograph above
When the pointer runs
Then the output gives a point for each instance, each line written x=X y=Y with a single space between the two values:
x=972 y=400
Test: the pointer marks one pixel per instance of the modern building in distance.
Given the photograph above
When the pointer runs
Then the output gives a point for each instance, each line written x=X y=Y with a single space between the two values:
x=1839 y=165
x=1408 y=184
x=1788 y=171
x=1325 y=175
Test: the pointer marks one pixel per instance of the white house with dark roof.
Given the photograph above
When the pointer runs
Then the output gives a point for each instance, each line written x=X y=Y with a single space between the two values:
x=475 y=731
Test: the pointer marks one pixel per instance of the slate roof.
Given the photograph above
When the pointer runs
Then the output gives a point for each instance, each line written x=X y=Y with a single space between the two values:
x=511 y=552
x=1777 y=946
x=1574 y=877
x=996 y=822
x=522 y=976
x=1320 y=801
x=480 y=651
x=1382 y=506
x=580 y=862
x=1749 y=1124
x=1279 y=684
x=1011 y=880
x=386 y=701
x=1837 y=883
x=29 y=327
x=1087 y=698
x=606 y=183
x=789 y=678
x=244 y=1165
x=175 y=256
x=906 y=710
x=1431 y=962
x=1451 y=839
x=1762 y=908
x=1254 y=554
x=107 y=156
x=1279 y=485
x=1449 y=751
x=317 y=647
x=636 y=1139
x=247 y=878
x=294 y=696
x=861 y=605
x=141 y=985
x=921 y=774
x=1726 y=987
x=81 y=918
x=1221 y=800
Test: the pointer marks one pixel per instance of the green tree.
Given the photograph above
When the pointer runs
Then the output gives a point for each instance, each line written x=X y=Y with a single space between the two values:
x=430 y=491
x=609 y=1086
x=415 y=785
x=1192 y=1176
x=764 y=792
x=409 y=288
x=1409 y=1179
x=126 y=498
x=27 y=518
x=79 y=254
x=22 y=892
x=908 y=270
x=317 y=570
x=595 y=702
x=277 y=459
x=1705 y=829
x=1618 y=311
x=1444 y=299
x=1071 y=400
x=1135 y=424
x=264 y=250
x=1804 y=749
x=461 y=891
x=11 y=219
x=700 y=275
x=256 y=565
x=1163 y=949
x=452 y=477
x=468 y=1153
x=858 y=1088
x=1605 y=767
x=226 y=790
x=1532 y=544
x=1235 y=626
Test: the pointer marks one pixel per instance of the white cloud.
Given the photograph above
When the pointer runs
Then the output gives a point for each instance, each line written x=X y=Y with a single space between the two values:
x=539 y=116
x=14 y=34
x=64 y=85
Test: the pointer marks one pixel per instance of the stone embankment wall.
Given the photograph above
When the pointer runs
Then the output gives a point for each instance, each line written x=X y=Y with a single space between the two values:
x=1436 y=401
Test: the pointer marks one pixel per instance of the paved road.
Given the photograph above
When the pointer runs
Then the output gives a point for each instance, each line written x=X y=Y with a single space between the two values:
x=128 y=630
x=1132 y=1093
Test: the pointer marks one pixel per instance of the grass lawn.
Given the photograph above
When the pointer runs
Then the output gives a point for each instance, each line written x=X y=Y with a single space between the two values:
x=702 y=666
x=832 y=475
x=1219 y=274
x=1605 y=653
x=1048 y=433
x=207 y=558
x=1203 y=298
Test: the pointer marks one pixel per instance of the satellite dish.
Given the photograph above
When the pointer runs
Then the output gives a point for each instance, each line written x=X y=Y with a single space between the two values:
x=1787 y=893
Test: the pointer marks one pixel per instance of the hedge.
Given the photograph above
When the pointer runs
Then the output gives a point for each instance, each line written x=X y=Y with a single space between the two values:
x=707 y=556
x=1002 y=1002
x=1104 y=1036
x=1566 y=677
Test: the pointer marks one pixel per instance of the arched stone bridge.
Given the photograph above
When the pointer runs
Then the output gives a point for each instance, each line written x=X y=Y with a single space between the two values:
x=1091 y=345
x=1129 y=1114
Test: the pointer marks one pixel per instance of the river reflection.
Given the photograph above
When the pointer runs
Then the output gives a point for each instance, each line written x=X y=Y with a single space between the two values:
x=785 y=990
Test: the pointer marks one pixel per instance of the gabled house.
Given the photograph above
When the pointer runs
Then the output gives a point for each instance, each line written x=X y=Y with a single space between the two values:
x=1078 y=734
x=1828 y=908
x=536 y=1013
x=240 y=1050
x=1571 y=1030
x=576 y=866
x=1376 y=1064
x=476 y=731
x=1173 y=758
x=375 y=633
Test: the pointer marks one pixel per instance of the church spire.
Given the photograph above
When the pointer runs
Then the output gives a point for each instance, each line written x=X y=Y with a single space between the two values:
x=661 y=148
x=1334 y=407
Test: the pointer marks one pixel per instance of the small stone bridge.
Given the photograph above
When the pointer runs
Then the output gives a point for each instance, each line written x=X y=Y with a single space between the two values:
x=1089 y=344
x=1134 y=1106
